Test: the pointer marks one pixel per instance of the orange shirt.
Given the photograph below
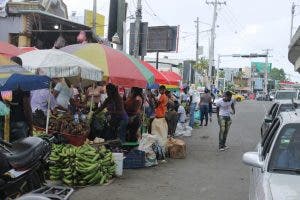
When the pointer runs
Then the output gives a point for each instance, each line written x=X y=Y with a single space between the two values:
x=161 y=109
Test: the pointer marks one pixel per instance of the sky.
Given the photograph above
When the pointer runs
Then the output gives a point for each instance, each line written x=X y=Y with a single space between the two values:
x=243 y=27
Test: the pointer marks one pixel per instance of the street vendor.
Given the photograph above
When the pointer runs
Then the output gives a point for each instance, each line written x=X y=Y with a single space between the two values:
x=159 y=125
x=98 y=93
x=115 y=107
x=133 y=107
x=63 y=94
x=39 y=106
x=20 y=115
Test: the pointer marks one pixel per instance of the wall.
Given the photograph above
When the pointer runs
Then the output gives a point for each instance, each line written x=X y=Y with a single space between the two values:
x=12 y=25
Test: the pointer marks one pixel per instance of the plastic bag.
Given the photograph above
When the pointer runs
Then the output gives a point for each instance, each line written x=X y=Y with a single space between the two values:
x=4 y=110
x=146 y=145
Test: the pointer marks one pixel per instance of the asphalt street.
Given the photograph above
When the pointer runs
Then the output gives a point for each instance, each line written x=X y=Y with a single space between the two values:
x=205 y=174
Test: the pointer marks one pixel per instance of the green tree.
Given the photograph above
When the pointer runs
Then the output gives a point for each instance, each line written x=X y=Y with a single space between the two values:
x=221 y=74
x=202 y=65
x=239 y=76
x=278 y=74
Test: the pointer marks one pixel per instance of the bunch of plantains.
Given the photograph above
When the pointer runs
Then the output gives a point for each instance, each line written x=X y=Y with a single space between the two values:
x=81 y=166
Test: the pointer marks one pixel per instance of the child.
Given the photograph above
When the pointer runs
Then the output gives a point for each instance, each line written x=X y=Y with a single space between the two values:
x=181 y=114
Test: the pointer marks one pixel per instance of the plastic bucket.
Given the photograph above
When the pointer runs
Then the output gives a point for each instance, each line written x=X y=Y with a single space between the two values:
x=118 y=157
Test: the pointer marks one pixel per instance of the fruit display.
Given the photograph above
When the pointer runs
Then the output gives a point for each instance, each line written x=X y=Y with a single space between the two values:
x=66 y=124
x=81 y=166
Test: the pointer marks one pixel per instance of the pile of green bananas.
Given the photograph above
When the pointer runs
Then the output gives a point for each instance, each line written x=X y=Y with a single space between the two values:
x=81 y=166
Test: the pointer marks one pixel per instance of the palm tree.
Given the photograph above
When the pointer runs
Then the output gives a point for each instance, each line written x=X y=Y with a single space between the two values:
x=239 y=76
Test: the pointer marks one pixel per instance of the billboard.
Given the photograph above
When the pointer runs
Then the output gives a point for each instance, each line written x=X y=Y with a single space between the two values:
x=261 y=66
x=258 y=84
x=100 y=22
x=143 y=39
x=162 y=39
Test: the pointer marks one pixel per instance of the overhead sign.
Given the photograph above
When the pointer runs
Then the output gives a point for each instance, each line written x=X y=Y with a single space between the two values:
x=162 y=39
x=260 y=67
x=100 y=20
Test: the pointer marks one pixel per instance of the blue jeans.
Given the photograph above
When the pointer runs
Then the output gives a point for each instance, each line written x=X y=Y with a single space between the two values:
x=204 y=113
x=192 y=114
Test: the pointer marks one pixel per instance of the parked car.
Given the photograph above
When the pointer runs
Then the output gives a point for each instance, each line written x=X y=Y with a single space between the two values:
x=285 y=95
x=275 y=110
x=275 y=164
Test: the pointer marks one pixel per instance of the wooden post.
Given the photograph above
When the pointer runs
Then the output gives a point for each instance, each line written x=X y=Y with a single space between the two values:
x=7 y=128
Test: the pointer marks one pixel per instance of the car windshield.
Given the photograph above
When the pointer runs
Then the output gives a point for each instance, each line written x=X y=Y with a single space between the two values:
x=286 y=108
x=286 y=152
x=285 y=95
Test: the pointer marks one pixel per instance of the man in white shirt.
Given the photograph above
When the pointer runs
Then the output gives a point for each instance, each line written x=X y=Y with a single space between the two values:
x=63 y=93
x=224 y=107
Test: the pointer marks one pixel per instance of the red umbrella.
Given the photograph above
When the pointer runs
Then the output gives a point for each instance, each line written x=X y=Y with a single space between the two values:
x=27 y=49
x=158 y=76
x=172 y=76
x=9 y=50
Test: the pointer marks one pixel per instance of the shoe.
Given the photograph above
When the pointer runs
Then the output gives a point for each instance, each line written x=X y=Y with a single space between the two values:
x=225 y=147
x=205 y=125
x=221 y=149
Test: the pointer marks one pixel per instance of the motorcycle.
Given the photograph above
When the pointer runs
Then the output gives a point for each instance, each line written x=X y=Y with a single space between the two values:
x=22 y=166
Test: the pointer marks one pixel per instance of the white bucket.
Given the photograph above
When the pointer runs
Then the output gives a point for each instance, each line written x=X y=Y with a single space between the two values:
x=118 y=157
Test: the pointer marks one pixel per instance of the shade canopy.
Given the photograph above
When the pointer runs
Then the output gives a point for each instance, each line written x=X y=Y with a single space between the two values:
x=118 y=67
x=173 y=77
x=55 y=63
x=9 y=50
x=13 y=77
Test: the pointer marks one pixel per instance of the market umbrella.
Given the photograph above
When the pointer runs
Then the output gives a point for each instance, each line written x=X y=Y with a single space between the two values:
x=55 y=63
x=158 y=76
x=172 y=76
x=118 y=67
x=9 y=50
x=13 y=77
x=27 y=49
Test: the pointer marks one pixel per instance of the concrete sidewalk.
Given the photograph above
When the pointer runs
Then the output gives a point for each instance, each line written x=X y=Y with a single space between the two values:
x=205 y=173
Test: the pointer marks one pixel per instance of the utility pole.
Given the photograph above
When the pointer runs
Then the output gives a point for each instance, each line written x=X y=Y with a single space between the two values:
x=197 y=40
x=94 y=16
x=292 y=20
x=138 y=19
x=212 y=38
x=266 y=70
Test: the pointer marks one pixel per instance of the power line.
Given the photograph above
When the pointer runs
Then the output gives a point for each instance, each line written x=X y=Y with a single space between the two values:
x=154 y=13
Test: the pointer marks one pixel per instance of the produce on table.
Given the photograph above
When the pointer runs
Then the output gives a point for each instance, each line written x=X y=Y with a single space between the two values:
x=81 y=166
x=66 y=124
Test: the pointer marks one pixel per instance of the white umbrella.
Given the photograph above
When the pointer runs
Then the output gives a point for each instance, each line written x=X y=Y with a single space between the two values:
x=55 y=63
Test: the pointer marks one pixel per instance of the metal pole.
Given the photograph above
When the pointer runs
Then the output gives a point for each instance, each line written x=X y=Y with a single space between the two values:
x=94 y=16
x=218 y=68
x=197 y=41
x=190 y=74
x=212 y=43
x=266 y=72
x=157 y=57
x=124 y=37
x=292 y=20
x=138 y=20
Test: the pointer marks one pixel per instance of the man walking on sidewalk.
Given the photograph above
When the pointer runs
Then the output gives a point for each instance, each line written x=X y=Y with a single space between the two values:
x=224 y=107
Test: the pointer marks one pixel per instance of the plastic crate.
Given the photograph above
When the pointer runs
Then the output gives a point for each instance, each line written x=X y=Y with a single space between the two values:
x=134 y=159
x=76 y=140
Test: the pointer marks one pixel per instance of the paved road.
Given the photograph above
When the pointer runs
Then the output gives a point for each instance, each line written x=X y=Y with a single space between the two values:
x=205 y=174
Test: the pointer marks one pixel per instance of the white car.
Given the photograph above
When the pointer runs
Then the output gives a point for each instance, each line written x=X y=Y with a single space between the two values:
x=285 y=95
x=275 y=165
